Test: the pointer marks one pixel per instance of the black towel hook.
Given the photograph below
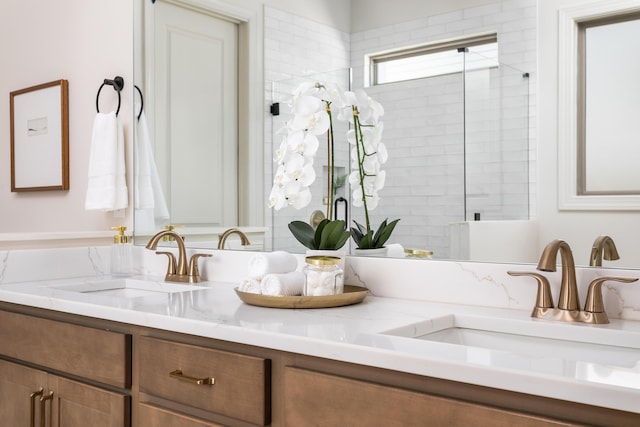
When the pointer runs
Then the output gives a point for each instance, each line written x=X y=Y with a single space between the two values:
x=141 y=101
x=118 y=84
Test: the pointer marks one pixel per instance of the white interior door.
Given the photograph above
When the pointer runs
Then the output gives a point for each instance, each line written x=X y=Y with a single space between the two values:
x=195 y=84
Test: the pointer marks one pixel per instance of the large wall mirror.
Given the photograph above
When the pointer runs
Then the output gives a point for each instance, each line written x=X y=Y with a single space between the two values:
x=461 y=144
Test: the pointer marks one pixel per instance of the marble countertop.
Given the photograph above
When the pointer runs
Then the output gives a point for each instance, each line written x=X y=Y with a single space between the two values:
x=370 y=333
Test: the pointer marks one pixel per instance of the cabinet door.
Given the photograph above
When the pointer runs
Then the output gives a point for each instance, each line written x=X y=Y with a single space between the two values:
x=79 y=405
x=74 y=404
x=152 y=416
x=328 y=400
x=17 y=383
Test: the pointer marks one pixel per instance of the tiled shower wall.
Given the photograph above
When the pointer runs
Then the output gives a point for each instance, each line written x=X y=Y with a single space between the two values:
x=424 y=119
x=295 y=47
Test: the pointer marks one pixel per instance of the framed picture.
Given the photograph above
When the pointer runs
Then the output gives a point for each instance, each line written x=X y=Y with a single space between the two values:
x=40 y=137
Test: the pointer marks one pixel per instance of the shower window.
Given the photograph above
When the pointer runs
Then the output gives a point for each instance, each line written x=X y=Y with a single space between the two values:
x=435 y=59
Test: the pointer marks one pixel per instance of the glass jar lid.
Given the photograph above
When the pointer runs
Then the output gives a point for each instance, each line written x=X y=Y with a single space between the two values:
x=418 y=253
x=322 y=260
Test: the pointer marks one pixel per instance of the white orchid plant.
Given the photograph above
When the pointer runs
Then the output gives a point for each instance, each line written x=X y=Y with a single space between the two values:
x=313 y=106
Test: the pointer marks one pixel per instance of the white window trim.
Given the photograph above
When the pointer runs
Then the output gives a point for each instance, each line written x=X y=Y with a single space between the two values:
x=568 y=20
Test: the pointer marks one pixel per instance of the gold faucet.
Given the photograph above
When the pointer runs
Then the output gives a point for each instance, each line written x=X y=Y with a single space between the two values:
x=603 y=245
x=244 y=240
x=568 y=303
x=178 y=272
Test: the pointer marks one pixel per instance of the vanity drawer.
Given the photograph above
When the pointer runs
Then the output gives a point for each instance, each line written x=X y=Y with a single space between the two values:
x=151 y=416
x=330 y=400
x=240 y=385
x=96 y=354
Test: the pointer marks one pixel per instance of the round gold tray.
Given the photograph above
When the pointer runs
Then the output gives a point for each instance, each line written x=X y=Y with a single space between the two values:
x=351 y=295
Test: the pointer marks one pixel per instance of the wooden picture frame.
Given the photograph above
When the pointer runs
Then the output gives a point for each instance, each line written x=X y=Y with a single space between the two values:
x=40 y=137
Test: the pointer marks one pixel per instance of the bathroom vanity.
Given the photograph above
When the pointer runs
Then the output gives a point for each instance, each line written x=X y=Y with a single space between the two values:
x=79 y=361
x=144 y=357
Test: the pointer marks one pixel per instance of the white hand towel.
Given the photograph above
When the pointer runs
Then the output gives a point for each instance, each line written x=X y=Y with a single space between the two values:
x=251 y=286
x=150 y=202
x=271 y=262
x=122 y=194
x=285 y=284
x=106 y=188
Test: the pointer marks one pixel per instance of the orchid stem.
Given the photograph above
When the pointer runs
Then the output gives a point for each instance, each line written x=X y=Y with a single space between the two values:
x=361 y=156
x=330 y=165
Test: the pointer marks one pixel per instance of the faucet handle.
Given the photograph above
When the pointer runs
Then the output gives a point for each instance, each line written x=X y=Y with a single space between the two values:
x=594 y=303
x=543 y=299
x=194 y=275
x=171 y=266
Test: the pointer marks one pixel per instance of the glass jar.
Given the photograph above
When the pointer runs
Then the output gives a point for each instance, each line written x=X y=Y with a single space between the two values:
x=323 y=276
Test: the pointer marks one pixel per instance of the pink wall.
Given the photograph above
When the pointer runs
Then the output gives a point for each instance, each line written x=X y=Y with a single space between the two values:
x=83 y=42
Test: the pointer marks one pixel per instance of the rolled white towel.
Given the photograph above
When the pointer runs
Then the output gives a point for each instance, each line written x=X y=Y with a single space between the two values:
x=284 y=284
x=395 y=250
x=271 y=263
x=251 y=286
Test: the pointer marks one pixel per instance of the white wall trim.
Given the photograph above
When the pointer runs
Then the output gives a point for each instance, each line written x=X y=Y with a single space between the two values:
x=55 y=239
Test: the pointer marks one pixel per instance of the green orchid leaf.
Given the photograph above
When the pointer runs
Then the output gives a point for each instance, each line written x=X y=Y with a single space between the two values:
x=382 y=226
x=317 y=238
x=385 y=233
x=334 y=235
x=329 y=235
x=361 y=228
x=356 y=235
x=303 y=233
x=367 y=241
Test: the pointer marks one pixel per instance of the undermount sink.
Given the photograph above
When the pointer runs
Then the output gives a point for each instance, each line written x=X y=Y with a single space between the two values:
x=126 y=287
x=532 y=338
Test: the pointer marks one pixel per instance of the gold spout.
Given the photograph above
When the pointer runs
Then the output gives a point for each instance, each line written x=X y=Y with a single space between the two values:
x=177 y=273
x=603 y=245
x=568 y=299
x=181 y=268
x=244 y=240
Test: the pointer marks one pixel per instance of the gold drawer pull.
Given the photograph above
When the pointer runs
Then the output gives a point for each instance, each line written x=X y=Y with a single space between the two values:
x=33 y=396
x=43 y=408
x=200 y=381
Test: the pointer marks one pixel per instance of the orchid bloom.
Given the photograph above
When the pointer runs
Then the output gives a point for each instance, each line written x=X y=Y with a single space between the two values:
x=310 y=108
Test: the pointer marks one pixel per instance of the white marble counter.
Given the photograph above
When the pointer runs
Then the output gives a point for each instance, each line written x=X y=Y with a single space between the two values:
x=355 y=334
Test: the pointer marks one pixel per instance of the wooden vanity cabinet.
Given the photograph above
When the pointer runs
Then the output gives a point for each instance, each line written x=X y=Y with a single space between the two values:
x=58 y=374
x=162 y=378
